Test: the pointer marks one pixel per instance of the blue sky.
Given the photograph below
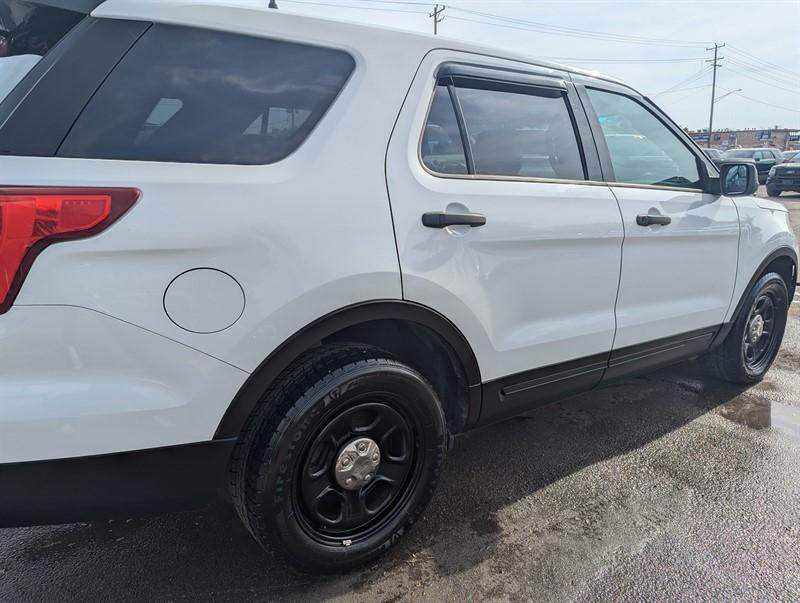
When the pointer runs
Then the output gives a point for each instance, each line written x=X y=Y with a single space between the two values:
x=762 y=57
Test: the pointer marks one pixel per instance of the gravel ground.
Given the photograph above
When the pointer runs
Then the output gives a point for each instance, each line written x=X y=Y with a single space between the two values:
x=666 y=487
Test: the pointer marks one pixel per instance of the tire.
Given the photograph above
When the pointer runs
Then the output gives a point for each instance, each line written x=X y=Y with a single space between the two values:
x=286 y=482
x=772 y=191
x=745 y=357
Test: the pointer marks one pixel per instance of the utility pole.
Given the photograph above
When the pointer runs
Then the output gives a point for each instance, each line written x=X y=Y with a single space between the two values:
x=437 y=10
x=715 y=64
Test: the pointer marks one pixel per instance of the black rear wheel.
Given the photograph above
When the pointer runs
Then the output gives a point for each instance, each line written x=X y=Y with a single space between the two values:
x=340 y=458
x=773 y=191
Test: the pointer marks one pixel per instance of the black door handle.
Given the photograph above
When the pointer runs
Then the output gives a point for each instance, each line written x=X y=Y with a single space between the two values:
x=649 y=220
x=440 y=219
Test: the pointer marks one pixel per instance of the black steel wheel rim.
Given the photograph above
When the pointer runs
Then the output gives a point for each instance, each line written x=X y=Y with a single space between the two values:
x=330 y=513
x=758 y=345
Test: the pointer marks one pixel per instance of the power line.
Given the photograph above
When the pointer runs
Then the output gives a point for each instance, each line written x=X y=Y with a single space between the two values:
x=685 y=82
x=755 y=100
x=574 y=31
x=556 y=32
x=744 y=59
x=623 y=61
x=372 y=8
x=683 y=98
x=763 y=82
x=752 y=68
x=684 y=89
x=768 y=64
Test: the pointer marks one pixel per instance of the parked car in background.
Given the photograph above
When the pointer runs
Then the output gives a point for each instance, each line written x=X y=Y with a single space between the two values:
x=291 y=258
x=764 y=159
x=790 y=155
x=784 y=177
x=715 y=155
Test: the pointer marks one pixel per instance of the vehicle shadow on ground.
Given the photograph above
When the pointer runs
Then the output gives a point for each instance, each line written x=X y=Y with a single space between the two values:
x=208 y=554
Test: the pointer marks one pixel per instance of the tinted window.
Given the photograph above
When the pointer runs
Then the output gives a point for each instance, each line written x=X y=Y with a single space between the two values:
x=442 y=148
x=642 y=149
x=521 y=134
x=189 y=95
x=28 y=29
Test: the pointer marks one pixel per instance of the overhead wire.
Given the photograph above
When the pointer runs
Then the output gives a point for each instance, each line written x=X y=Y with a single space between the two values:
x=755 y=100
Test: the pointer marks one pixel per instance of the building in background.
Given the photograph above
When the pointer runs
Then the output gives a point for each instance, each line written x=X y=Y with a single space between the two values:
x=782 y=139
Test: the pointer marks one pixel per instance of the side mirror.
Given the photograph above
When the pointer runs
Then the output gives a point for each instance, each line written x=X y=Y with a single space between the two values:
x=738 y=179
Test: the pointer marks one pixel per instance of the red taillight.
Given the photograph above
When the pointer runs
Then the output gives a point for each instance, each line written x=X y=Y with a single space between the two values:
x=32 y=218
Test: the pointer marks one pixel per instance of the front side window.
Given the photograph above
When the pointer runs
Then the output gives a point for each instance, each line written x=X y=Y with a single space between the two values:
x=189 y=95
x=642 y=149
x=524 y=134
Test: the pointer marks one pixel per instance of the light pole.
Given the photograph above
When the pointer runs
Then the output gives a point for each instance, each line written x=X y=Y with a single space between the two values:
x=719 y=98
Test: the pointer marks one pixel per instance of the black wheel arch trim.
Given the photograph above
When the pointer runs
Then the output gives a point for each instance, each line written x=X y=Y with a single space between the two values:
x=279 y=359
x=780 y=252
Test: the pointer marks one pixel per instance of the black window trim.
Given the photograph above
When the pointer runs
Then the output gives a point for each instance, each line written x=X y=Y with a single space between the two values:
x=505 y=80
x=704 y=164
x=499 y=76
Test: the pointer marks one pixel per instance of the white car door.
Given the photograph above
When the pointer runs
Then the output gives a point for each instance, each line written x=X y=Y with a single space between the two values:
x=681 y=243
x=500 y=228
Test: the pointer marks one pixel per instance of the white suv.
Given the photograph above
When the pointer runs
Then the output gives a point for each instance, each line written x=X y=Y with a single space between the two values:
x=286 y=258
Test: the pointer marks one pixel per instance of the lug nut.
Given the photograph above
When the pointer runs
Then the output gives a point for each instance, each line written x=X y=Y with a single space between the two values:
x=348 y=481
x=375 y=457
x=345 y=461
x=362 y=447
x=367 y=477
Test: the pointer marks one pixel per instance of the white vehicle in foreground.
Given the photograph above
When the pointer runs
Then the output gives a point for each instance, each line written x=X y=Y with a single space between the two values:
x=288 y=259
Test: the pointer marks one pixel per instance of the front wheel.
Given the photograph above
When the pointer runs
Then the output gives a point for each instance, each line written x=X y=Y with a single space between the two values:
x=773 y=191
x=340 y=458
x=755 y=338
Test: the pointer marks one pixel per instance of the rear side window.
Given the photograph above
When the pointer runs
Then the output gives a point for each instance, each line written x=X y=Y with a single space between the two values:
x=442 y=147
x=27 y=33
x=521 y=134
x=510 y=130
x=197 y=96
x=28 y=28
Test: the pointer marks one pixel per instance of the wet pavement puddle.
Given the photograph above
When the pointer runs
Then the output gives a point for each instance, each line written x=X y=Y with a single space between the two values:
x=763 y=414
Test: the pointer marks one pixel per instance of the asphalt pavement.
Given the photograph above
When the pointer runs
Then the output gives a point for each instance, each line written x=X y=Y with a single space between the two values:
x=669 y=487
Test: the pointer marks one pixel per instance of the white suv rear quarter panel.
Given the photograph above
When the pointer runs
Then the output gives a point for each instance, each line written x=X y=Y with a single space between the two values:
x=304 y=237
